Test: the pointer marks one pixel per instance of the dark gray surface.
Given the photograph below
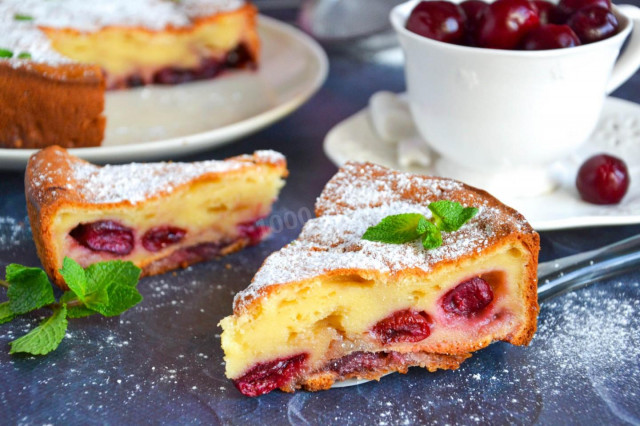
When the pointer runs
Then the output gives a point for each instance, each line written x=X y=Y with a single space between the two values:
x=161 y=362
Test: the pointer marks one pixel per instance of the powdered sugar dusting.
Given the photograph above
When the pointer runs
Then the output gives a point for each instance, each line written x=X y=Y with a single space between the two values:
x=366 y=185
x=360 y=196
x=24 y=36
x=134 y=182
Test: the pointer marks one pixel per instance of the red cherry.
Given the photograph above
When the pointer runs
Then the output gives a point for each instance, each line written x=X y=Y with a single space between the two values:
x=548 y=12
x=569 y=7
x=438 y=20
x=267 y=376
x=505 y=22
x=593 y=24
x=550 y=36
x=403 y=326
x=254 y=232
x=104 y=235
x=468 y=298
x=603 y=179
x=157 y=238
x=473 y=10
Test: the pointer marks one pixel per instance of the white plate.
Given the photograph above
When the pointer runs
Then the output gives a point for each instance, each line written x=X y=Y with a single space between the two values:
x=157 y=122
x=618 y=133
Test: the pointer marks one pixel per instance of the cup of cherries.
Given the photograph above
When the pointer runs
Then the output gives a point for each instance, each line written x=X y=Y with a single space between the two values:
x=502 y=90
x=515 y=24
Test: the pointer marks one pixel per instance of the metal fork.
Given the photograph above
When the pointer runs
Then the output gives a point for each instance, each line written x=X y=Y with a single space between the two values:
x=572 y=272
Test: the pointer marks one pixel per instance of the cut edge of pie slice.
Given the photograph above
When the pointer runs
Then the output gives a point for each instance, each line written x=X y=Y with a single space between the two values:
x=331 y=306
x=160 y=216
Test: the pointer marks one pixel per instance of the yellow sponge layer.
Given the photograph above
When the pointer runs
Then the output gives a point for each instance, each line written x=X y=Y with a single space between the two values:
x=121 y=51
x=208 y=210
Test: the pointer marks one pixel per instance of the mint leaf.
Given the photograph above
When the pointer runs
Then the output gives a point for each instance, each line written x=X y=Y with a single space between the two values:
x=118 y=279
x=30 y=288
x=75 y=277
x=44 y=338
x=395 y=229
x=4 y=53
x=431 y=236
x=90 y=292
x=423 y=225
x=6 y=314
x=107 y=288
x=75 y=311
x=449 y=216
x=105 y=274
x=24 y=55
x=121 y=298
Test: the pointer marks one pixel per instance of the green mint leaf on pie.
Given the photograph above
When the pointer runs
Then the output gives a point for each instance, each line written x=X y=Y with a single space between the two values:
x=75 y=311
x=423 y=225
x=19 y=17
x=4 y=53
x=44 y=338
x=449 y=216
x=396 y=229
x=431 y=236
x=118 y=279
x=29 y=288
x=6 y=314
x=24 y=55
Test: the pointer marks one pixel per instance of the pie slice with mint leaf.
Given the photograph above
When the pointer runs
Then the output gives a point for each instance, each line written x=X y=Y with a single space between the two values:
x=397 y=270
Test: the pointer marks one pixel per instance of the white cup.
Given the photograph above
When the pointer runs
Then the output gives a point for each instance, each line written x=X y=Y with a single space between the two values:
x=496 y=115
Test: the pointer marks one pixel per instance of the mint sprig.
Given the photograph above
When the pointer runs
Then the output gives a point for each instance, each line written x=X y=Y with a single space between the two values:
x=396 y=229
x=106 y=288
x=447 y=216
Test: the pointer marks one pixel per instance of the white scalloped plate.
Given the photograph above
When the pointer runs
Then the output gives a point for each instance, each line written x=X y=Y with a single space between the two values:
x=157 y=122
x=618 y=133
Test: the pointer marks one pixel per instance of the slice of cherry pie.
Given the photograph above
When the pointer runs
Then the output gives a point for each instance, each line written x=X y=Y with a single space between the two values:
x=332 y=306
x=160 y=216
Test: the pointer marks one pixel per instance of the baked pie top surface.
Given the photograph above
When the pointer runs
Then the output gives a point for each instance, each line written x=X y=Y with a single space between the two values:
x=53 y=174
x=359 y=196
x=22 y=20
